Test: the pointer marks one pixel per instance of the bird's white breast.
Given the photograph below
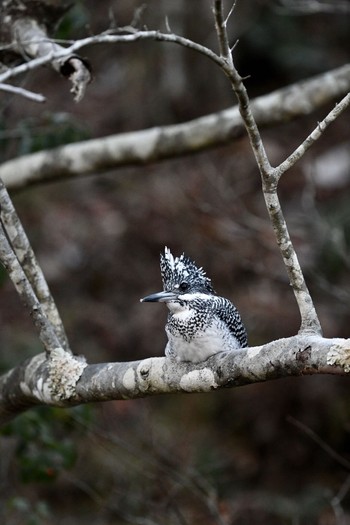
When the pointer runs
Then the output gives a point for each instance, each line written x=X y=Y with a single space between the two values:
x=214 y=339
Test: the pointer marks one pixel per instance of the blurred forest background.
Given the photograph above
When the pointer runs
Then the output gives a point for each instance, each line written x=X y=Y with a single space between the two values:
x=232 y=457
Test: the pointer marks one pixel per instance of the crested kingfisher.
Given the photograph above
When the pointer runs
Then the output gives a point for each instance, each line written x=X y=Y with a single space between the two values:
x=200 y=323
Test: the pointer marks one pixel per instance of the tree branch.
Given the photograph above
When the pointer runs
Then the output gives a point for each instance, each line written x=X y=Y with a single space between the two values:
x=51 y=53
x=23 y=251
x=155 y=144
x=36 y=97
x=309 y=318
x=221 y=31
x=23 y=287
x=31 y=41
x=64 y=380
x=270 y=178
x=314 y=136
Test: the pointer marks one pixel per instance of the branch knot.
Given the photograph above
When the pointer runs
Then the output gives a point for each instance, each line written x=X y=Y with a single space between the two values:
x=65 y=371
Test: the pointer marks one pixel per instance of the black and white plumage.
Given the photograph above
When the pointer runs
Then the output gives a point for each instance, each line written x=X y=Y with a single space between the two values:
x=200 y=323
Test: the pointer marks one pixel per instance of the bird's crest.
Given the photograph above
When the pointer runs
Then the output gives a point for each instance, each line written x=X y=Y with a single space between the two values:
x=175 y=270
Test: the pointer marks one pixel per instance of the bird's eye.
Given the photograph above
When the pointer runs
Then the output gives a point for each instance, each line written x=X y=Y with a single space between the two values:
x=183 y=286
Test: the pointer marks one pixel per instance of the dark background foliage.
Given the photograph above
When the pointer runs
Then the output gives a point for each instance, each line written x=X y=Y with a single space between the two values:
x=234 y=457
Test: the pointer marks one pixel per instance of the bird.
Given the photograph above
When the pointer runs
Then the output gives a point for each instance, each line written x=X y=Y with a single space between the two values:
x=200 y=322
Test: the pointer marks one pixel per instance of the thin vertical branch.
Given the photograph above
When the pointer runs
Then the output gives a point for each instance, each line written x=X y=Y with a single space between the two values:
x=220 y=26
x=240 y=90
x=25 y=255
x=309 y=318
x=270 y=177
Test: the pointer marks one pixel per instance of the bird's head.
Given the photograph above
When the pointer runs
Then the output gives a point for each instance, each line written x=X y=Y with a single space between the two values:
x=182 y=280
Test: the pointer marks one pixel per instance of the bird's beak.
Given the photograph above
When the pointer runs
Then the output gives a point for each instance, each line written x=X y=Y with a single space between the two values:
x=160 y=297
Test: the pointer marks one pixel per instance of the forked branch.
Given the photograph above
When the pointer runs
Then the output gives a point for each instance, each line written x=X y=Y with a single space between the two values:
x=22 y=254
x=270 y=178
x=23 y=287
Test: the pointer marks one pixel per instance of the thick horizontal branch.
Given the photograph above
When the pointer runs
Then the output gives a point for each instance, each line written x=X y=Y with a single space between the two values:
x=63 y=380
x=142 y=147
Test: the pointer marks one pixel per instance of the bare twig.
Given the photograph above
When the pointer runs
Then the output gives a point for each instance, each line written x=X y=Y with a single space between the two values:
x=138 y=13
x=37 y=97
x=315 y=135
x=54 y=55
x=167 y=25
x=320 y=442
x=220 y=25
x=229 y=14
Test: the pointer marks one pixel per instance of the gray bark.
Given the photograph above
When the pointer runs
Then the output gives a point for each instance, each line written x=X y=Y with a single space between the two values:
x=63 y=380
x=155 y=144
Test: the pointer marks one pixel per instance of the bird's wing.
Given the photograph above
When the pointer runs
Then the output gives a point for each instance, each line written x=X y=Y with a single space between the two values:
x=229 y=314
